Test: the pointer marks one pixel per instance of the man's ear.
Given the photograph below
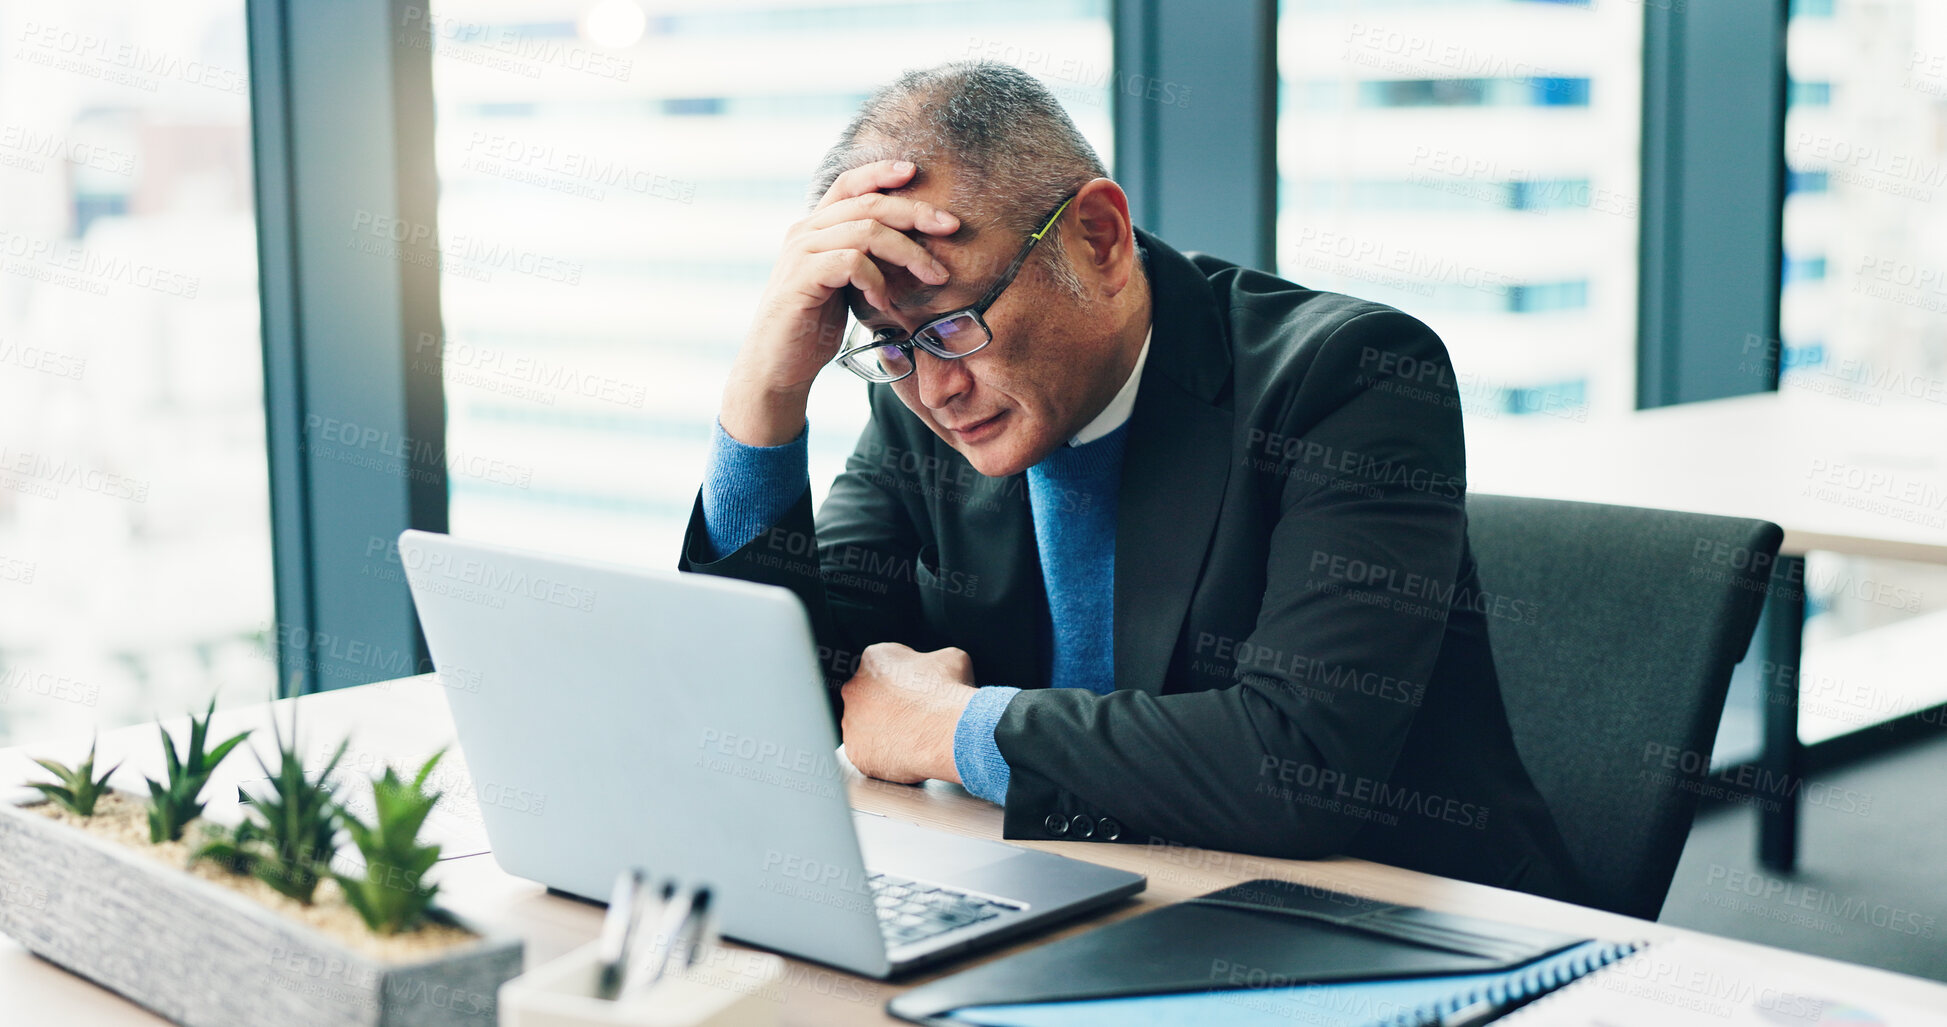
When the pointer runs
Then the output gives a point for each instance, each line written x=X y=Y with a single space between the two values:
x=1102 y=236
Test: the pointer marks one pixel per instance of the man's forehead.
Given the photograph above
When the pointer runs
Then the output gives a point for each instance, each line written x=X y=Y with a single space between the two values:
x=967 y=271
x=910 y=296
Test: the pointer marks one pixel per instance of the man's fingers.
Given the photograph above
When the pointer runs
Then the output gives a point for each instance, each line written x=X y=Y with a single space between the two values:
x=833 y=270
x=868 y=178
x=876 y=240
x=901 y=212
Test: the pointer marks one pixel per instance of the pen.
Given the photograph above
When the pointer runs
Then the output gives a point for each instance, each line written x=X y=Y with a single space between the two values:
x=700 y=916
x=618 y=929
x=647 y=969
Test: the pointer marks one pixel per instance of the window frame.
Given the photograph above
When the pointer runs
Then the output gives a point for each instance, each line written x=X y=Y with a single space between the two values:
x=339 y=325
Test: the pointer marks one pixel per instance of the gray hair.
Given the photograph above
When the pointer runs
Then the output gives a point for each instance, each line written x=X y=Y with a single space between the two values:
x=1014 y=151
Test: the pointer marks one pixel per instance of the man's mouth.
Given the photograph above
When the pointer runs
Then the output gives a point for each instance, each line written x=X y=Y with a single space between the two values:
x=974 y=431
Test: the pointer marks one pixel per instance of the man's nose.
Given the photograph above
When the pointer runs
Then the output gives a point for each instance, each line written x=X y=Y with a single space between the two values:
x=941 y=381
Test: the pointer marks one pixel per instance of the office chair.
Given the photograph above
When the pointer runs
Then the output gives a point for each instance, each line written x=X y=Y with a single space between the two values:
x=1615 y=690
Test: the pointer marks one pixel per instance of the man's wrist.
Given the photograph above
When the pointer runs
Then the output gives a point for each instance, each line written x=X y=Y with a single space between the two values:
x=945 y=768
x=976 y=755
x=759 y=416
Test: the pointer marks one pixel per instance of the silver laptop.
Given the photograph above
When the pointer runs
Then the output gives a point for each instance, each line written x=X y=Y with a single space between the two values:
x=678 y=722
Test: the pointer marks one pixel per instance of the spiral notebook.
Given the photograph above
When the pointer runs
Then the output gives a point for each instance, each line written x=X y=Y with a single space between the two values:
x=1264 y=953
x=1692 y=983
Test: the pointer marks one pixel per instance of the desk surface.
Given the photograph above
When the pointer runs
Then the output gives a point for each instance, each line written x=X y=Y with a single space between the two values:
x=1838 y=475
x=410 y=717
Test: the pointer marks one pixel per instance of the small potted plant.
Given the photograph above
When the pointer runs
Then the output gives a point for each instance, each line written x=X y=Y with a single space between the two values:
x=179 y=800
x=288 y=841
x=394 y=896
x=248 y=924
x=76 y=789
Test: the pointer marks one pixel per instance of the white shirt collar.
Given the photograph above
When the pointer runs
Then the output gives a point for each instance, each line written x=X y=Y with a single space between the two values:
x=1119 y=408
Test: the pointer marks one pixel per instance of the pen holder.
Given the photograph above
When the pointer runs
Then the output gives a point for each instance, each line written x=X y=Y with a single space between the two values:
x=725 y=988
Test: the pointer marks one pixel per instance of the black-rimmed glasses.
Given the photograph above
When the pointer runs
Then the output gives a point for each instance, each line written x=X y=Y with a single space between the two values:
x=881 y=355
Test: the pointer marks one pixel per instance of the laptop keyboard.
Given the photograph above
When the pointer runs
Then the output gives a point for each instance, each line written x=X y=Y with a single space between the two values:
x=911 y=911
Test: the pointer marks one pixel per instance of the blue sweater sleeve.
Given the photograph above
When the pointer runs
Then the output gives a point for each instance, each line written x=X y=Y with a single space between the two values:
x=747 y=488
x=975 y=755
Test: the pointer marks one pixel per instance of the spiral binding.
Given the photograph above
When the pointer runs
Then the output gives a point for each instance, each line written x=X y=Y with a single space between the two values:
x=1522 y=987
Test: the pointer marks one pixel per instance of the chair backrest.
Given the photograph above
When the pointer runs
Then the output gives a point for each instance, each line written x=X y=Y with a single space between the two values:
x=1615 y=685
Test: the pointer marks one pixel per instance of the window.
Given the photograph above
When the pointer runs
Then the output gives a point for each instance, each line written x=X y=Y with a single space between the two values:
x=1474 y=163
x=135 y=569
x=615 y=179
x=1864 y=315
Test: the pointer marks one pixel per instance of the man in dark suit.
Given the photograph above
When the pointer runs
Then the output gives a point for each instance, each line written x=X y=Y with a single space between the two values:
x=1149 y=548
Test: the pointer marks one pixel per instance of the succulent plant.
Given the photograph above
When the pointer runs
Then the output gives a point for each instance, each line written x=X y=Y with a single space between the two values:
x=393 y=897
x=174 y=804
x=79 y=789
x=287 y=838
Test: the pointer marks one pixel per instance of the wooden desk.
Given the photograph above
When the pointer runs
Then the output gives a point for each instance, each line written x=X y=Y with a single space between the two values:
x=410 y=717
x=1840 y=475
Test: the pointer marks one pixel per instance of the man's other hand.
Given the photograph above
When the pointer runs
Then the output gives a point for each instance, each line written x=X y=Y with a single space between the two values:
x=901 y=709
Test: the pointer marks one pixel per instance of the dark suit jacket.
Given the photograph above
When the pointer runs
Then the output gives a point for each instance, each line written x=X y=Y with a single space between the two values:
x=1301 y=642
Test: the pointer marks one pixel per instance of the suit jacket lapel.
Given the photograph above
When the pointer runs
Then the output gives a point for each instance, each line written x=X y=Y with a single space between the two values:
x=1174 y=469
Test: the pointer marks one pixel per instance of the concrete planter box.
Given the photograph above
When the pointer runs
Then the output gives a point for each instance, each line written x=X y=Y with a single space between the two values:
x=203 y=955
